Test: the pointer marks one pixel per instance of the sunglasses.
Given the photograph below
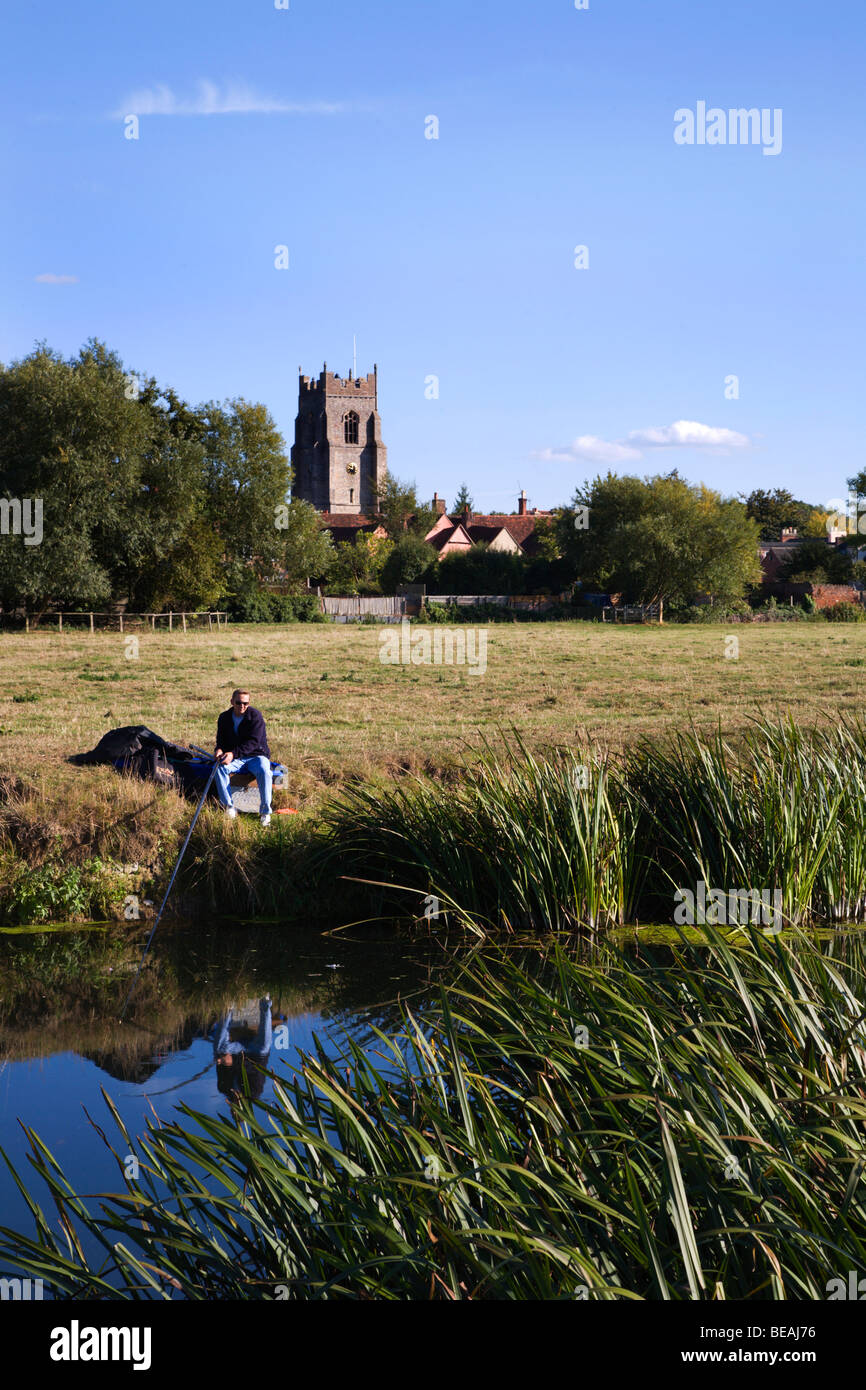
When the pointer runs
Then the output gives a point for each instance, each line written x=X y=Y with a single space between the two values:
x=240 y=702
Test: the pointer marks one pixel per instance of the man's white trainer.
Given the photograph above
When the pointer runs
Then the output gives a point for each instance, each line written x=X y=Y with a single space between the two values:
x=265 y=820
x=231 y=813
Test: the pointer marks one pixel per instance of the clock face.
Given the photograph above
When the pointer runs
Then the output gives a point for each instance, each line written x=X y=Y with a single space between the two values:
x=351 y=467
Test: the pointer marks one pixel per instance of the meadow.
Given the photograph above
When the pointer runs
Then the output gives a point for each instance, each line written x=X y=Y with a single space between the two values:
x=333 y=708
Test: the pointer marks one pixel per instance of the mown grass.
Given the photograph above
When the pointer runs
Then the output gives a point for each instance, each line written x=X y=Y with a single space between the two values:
x=554 y=1129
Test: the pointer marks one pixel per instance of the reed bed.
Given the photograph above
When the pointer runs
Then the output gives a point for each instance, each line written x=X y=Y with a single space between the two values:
x=579 y=841
x=519 y=843
x=681 y=1129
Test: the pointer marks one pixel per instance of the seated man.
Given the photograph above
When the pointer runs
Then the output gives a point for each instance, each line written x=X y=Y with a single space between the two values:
x=242 y=746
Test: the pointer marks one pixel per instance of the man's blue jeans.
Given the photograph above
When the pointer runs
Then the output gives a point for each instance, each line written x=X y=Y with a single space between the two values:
x=260 y=765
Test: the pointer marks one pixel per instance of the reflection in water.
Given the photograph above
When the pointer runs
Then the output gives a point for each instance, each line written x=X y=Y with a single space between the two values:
x=59 y=996
x=241 y=1064
x=61 y=1042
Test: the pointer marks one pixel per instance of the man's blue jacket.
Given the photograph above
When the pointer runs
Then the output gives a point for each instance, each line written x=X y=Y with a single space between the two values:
x=250 y=738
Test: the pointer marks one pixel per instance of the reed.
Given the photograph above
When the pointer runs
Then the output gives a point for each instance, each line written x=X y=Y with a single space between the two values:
x=519 y=843
x=581 y=840
x=557 y=1128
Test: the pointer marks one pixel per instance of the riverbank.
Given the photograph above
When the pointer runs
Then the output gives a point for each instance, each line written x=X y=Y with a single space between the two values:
x=766 y=829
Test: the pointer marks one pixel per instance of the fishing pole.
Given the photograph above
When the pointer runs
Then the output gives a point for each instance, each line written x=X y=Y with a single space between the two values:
x=170 y=883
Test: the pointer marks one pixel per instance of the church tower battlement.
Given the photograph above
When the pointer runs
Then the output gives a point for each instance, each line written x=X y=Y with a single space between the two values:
x=338 y=456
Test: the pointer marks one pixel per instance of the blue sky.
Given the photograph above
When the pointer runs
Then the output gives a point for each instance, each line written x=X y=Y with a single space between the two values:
x=455 y=257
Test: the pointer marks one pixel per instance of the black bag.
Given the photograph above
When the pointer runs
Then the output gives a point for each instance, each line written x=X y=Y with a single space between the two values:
x=125 y=743
x=151 y=765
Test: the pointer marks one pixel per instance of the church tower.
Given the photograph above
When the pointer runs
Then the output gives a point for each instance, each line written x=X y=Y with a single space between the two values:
x=338 y=456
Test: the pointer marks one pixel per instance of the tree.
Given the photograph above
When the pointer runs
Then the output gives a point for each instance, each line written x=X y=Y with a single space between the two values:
x=247 y=478
x=397 y=509
x=72 y=437
x=818 y=562
x=308 y=549
x=143 y=496
x=358 y=564
x=660 y=540
x=463 y=501
x=167 y=553
x=482 y=570
x=778 y=510
x=547 y=540
x=411 y=561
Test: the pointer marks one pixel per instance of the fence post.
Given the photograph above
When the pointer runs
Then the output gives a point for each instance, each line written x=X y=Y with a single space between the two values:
x=183 y=618
x=170 y=617
x=91 y=622
x=209 y=622
x=120 y=615
x=153 y=621
x=59 y=622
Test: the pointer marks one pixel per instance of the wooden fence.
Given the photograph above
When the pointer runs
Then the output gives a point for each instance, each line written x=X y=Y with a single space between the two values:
x=115 y=621
x=347 y=610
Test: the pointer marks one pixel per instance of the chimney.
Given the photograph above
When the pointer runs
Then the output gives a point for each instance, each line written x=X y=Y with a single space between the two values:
x=789 y=533
x=521 y=503
x=438 y=504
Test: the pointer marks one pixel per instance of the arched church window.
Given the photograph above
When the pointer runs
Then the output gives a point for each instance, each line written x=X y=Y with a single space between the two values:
x=350 y=427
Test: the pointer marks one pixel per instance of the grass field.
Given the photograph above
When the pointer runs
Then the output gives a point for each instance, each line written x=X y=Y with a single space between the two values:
x=335 y=712
x=332 y=705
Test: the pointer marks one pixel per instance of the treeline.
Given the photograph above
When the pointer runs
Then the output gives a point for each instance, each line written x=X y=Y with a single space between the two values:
x=653 y=540
x=144 y=497
x=162 y=504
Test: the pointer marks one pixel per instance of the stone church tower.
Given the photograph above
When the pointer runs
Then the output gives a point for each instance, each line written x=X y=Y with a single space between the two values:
x=338 y=456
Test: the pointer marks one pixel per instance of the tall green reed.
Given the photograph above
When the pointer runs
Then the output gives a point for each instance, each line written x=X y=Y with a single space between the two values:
x=580 y=840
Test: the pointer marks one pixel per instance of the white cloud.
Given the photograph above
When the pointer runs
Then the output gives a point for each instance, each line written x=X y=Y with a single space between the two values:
x=680 y=435
x=236 y=99
x=589 y=449
x=688 y=434
x=49 y=279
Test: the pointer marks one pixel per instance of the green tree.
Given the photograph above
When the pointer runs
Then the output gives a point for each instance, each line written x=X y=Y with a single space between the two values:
x=247 y=478
x=411 y=561
x=358 y=564
x=463 y=501
x=167 y=554
x=397 y=509
x=308 y=549
x=547 y=539
x=660 y=540
x=818 y=562
x=481 y=570
x=71 y=435
x=778 y=510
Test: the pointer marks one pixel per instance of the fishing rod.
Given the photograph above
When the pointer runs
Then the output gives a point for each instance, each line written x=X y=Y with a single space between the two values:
x=171 y=880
